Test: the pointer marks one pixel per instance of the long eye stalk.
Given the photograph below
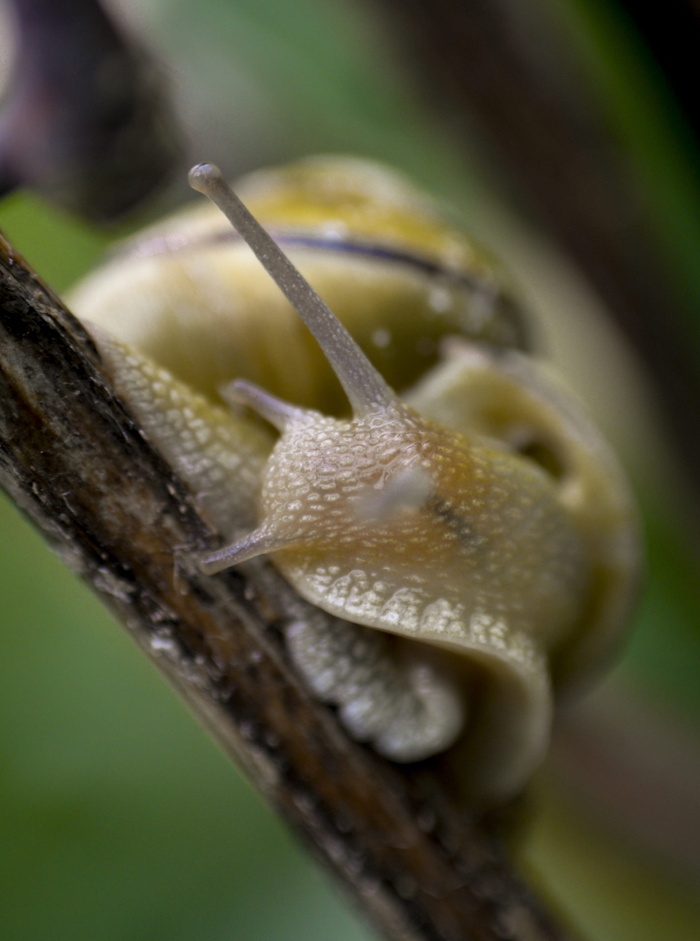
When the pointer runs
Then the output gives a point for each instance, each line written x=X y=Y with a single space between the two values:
x=364 y=386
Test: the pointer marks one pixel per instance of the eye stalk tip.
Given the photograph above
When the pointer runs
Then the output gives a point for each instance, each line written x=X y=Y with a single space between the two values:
x=204 y=176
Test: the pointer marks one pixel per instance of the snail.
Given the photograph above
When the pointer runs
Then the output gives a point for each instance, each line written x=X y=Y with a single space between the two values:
x=468 y=544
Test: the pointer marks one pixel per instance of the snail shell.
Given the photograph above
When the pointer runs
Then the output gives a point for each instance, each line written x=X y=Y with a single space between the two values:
x=478 y=522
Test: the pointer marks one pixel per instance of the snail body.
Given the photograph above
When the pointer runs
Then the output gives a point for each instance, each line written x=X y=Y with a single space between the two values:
x=471 y=543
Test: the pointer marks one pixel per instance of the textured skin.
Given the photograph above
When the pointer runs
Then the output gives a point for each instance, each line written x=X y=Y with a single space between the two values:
x=404 y=704
x=488 y=551
x=221 y=455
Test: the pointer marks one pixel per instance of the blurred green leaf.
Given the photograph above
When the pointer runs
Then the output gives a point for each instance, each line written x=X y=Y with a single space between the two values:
x=121 y=819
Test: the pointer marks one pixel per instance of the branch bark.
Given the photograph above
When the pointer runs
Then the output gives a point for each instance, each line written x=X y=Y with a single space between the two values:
x=75 y=462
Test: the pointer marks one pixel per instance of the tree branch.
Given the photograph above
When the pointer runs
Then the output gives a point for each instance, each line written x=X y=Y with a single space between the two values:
x=75 y=462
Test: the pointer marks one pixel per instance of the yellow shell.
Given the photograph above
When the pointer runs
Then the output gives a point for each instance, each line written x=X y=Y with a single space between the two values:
x=188 y=293
x=480 y=521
